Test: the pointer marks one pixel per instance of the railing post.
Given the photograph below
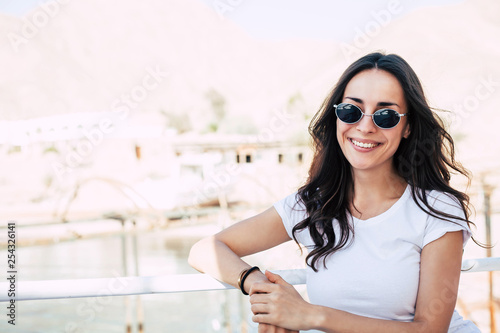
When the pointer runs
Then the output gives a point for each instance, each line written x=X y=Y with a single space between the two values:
x=128 y=310
x=138 y=301
x=487 y=191
x=244 y=323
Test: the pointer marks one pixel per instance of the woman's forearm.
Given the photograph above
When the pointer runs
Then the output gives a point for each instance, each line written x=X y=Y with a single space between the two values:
x=335 y=321
x=215 y=258
x=219 y=255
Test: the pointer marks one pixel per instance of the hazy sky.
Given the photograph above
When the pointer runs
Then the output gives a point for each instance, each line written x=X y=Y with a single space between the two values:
x=321 y=19
x=283 y=19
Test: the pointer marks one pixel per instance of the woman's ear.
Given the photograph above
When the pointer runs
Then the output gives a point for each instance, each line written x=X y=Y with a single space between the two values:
x=406 y=132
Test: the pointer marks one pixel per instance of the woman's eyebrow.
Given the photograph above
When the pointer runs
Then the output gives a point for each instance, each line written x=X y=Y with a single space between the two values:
x=357 y=100
x=387 y=104
x=360 y=101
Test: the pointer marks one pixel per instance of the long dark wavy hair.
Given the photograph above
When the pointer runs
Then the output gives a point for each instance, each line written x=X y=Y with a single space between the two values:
x=424 y=160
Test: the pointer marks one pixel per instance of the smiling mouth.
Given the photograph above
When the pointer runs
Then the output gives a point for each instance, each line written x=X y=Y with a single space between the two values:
x=364 y=145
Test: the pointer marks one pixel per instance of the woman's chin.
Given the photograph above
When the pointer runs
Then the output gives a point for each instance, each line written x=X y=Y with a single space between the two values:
x=365 y=165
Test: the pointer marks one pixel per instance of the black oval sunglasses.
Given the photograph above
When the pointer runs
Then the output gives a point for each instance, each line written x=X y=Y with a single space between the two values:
x=383 y=118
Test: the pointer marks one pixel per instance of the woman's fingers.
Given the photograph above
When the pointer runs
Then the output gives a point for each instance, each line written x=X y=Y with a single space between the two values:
x=261 y=318
x=262 y=288
x=268 y=287
x=275 y=278
x=276 y=304
x=259 y=298
x=259 y=308
x=266 y=328
x=263 y=328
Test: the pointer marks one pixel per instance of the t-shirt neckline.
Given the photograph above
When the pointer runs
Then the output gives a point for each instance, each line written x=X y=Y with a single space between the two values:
x=389 y=211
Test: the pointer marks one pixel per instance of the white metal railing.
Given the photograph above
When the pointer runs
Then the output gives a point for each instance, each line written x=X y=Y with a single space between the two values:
x=137 y=285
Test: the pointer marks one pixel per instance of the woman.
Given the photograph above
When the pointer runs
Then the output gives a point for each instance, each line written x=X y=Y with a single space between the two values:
x=384 y=228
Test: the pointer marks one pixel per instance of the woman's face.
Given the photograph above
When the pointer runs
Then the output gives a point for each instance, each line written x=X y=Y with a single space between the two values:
x=366 y=146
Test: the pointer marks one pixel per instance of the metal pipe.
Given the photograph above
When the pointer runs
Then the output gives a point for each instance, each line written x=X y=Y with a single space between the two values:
x=121 y=286
x=137 y=285
x=172 y=214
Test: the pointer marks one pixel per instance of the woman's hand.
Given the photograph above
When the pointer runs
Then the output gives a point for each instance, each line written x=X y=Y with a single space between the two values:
x=266 y=328
x=278 y=304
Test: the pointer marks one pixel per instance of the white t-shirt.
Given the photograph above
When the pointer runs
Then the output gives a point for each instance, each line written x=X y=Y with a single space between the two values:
x=377 y=275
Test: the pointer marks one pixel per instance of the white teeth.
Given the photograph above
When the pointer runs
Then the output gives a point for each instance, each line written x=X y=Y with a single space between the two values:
x=364 y=145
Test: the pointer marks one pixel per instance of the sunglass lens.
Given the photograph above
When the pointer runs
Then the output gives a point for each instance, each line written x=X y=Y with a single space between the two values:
x=348 y=113
x=386 y=118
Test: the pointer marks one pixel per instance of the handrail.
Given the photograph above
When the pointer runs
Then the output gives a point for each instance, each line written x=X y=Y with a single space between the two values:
x=137 y=285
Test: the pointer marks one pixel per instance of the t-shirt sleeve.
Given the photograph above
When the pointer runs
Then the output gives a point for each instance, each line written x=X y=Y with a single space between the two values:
x=436 y=228
x=292 y=211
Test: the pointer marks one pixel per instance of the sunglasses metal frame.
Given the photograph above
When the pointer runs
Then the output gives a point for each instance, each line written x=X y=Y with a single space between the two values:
x=369 y=115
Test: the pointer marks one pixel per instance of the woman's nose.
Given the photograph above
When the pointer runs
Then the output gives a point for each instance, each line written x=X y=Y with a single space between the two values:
x=366 y=124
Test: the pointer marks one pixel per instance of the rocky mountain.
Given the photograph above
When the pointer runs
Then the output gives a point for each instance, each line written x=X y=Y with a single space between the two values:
x=91 y=56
